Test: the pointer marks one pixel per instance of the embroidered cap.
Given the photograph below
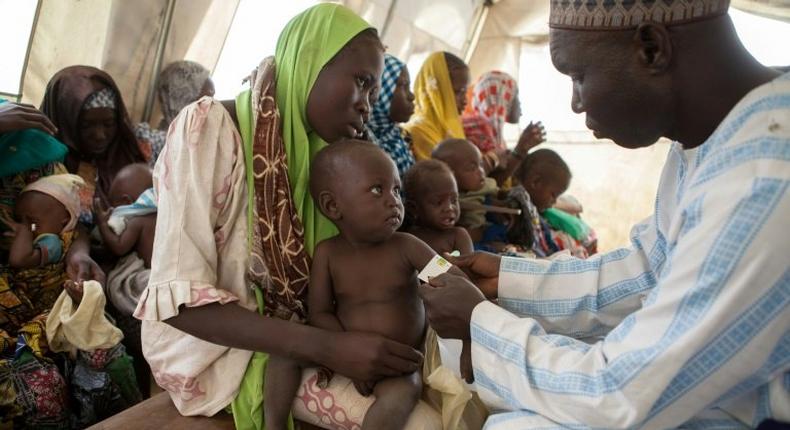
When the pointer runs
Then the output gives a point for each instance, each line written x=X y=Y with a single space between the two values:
x=627 y=14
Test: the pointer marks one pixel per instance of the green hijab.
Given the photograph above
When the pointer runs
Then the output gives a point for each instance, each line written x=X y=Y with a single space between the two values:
x=305 y=45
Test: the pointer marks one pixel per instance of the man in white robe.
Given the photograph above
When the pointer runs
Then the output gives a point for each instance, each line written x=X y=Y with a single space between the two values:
x=692 y=319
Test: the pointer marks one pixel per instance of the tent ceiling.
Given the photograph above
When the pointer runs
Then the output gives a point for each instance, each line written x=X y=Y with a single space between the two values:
x=122 y=37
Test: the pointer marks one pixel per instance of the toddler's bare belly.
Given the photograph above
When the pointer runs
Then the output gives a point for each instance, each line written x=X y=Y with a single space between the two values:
x=402 y=322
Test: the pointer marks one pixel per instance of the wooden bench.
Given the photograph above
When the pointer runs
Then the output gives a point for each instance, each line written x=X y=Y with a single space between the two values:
x=159 y=413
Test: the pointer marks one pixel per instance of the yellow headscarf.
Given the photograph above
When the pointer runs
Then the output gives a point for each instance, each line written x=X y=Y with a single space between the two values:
x=435 y=115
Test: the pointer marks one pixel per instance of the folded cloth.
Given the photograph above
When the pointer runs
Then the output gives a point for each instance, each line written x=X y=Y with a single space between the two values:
x=144 y=205
x=85 y=328
x=126 y=282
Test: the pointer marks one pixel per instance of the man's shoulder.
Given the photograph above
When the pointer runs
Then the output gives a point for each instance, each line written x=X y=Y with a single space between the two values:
x=756 y=130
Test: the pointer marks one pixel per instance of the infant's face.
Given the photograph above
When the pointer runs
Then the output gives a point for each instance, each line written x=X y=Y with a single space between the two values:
x=544 y=194
x=468 y=170
x=370 y=201
x=437 y=207
x=48 y=214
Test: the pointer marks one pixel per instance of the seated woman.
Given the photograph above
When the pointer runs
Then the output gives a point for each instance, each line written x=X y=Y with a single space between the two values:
x=441 y=97
x=37 y=391
x=179 y=84
x=395 y=105
x=85 y=105
x=236 y=227
x=492 y=102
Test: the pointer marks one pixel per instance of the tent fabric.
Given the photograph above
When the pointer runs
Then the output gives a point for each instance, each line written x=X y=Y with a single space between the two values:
x=121 y=38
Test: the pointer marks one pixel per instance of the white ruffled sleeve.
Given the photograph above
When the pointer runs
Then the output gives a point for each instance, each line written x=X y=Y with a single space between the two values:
x=201 y=220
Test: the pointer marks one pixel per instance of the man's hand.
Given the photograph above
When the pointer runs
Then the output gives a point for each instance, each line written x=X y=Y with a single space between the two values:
x=367 y=356
x=482 y=268
x=467 y=370
x=449 y=301
x=15 y=117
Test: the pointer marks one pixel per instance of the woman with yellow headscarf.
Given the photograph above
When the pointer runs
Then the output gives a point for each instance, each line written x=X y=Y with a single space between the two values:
x=440 y=91
x=236 y=224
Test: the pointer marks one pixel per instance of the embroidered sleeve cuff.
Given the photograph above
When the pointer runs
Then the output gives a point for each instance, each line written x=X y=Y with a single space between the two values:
x=160 y=302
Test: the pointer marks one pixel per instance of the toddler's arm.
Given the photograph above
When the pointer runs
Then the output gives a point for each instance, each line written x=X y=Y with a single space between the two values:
x=320 y=297
x=117 y=244
x=23 y=255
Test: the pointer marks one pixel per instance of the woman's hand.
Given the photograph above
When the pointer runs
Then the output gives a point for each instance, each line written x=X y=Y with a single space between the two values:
x=79 y=264
x=482 y=268
x=74 y=290
x=368 y=357
x=15 y=117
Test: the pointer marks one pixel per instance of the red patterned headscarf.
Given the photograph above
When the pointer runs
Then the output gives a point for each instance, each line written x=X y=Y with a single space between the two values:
x=492 y=99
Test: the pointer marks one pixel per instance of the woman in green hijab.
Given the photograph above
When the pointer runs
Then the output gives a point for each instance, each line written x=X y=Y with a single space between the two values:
x=237 y=226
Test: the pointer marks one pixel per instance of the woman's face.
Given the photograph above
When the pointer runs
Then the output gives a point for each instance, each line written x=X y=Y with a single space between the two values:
x=459 y=77
x=402 y=106
x=98 y=127
x=339 y=102
x=514 y=114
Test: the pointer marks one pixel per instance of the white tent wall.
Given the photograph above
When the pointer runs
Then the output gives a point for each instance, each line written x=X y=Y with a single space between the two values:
x=121 y=37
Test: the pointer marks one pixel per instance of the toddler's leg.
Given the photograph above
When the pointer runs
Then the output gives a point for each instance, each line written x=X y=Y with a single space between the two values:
x=282 y=381
x=395 y=399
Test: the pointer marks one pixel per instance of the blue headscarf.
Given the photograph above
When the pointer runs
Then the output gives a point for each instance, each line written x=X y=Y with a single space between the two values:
x=387 y=134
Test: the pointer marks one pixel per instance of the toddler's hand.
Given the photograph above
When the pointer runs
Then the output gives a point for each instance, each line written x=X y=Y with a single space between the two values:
x=532 y=136
x=101 y=211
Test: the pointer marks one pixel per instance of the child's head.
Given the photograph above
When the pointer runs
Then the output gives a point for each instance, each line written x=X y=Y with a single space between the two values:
x=545 y=176
x=464 y=160
x=356 y=185
x=459 y=77
x=129 y=183
x=431 y=195
x=52 y=203
x=402 y=104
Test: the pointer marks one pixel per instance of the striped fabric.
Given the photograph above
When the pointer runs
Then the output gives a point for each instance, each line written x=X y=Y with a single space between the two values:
x=144 y=205
x=689 y=327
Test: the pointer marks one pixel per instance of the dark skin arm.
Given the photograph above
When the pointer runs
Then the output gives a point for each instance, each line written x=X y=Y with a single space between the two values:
x=117 y=244
x=320 y=295
x=23 y=255
x=531 y=137
x=79 y=265
x=420 y=252
x=14 y=116
x=463 y=242
x=360 y=356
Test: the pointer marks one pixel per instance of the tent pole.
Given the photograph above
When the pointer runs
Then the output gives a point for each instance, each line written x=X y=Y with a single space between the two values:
x=388 y=19
x=477 y=30
x=18 y=96
x=160 y=53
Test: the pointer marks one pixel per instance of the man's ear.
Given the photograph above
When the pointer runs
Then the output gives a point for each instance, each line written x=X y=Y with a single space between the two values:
x=328 y=205
x=654 y=46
